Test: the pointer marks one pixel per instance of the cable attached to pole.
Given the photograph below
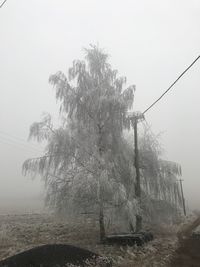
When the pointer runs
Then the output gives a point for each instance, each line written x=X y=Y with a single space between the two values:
x=172 y=84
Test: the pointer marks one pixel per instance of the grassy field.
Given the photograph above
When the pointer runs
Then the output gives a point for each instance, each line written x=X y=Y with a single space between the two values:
x=24 y=231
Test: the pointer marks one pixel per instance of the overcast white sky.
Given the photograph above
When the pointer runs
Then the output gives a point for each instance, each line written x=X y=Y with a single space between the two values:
x=150 y=42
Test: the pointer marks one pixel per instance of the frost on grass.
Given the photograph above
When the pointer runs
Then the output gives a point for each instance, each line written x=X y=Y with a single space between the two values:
x=22 y=232
x=5 y=238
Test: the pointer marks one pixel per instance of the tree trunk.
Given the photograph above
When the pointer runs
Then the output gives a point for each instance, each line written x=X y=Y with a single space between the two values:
x=138 y=226
x=101 y=210
x=101 y=222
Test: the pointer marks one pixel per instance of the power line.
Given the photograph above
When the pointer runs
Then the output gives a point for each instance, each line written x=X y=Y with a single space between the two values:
x=18 y=146
x=3 y=3
x=172 y=84
x=19 y=141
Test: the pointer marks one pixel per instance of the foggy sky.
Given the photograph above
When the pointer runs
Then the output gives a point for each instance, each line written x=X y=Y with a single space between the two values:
x=149 y=42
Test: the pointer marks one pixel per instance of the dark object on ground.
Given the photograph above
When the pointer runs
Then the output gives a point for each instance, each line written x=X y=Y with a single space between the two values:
x=129 y=239
x=187 y=254
x=148 y=236
x=55 y=255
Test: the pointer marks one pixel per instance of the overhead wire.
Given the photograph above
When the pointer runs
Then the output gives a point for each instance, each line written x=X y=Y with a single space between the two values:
x=2 y=3
x=18 y=146
x=20 y=141
x=171 y=85
x=11 y=141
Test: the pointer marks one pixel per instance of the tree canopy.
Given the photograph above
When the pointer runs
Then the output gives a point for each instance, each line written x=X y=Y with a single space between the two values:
x=81 y=156
x=88 y=162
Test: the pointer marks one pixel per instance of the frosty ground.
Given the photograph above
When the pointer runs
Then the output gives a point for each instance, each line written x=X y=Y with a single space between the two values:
x=24 y=231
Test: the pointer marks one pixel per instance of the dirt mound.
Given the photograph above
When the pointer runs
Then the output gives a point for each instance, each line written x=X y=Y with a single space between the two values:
x=187 y=255
x=54 y=255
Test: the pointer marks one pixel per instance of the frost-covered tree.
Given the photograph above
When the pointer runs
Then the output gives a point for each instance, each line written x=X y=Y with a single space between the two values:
x=80 y=160
x=158 y=181
x=159 y=177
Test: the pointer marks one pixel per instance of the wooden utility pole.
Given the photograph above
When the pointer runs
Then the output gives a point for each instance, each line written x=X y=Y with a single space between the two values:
x=183 y=199
x=137 y=168
x=135 y=117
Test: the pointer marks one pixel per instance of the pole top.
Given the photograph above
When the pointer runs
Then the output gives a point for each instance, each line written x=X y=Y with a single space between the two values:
x=135 y=115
